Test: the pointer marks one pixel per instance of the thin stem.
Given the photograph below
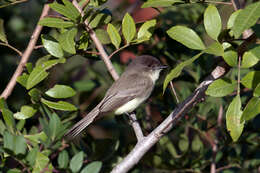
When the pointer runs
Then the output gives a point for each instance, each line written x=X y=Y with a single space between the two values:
x=112 y=54
x=25 y=57
x=219 y=2
x=236 y=4
x=174 y=92
x=238 y=74
x=12 y=3
x=13 y=48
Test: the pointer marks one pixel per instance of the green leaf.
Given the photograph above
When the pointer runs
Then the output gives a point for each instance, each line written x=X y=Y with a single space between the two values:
x=3 y=103
x=220 y=88
x=93 y=167
x=257 y=91
x=212 y=22
x=2 y=31
x=99 y=19
x=177 y=70
x=52 y=46
x=16 y=144
x=160 y=3
x=114 y=35
x=37 y=138
x=31 y=156
x=60 y=105
x=60 y=91
x=38 y=74
x=186 y=36
x=23 y=79
x=233 y=116
x=76 y=162
x=9 y=119
x=256 y=51
x=26 y=112
x=196 y=144
x=128 y=28
x=215 y=49
x=251 y=79
x=246 y=18
x=55 y=22
x=63 y=159
x=41 y=162
x=249 y=60
x=85 y=85
x=35 y=95
x=146 y=29
x=43 y=59
x=103 y=36
x=252 y=109
x=68 y=10
x=230 y=58
x=14 y=171
x=67 y=41
x=232 y=19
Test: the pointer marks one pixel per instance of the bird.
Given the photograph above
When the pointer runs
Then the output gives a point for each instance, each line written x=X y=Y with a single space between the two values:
x=131 y=89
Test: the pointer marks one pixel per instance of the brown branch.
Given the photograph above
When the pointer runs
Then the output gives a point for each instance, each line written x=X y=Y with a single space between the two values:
x=236 y=4
x=12 y=3
x=174 y=92
x=9 y=88
x=13 y=48
x=112 y=54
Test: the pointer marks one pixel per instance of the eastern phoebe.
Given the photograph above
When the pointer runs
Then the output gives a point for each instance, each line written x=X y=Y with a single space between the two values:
x=132 y=88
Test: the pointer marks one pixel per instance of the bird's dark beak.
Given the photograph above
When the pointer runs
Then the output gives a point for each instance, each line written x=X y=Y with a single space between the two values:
x=163 y=67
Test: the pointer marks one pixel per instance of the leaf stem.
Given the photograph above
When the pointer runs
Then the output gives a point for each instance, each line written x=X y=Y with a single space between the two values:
x=13 y=48
x=110 y=56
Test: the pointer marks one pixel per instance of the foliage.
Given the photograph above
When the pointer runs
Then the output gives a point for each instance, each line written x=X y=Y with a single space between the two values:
x=65 y=77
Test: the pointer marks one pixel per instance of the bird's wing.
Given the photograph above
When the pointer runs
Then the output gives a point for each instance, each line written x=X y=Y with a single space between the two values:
x=133 y=89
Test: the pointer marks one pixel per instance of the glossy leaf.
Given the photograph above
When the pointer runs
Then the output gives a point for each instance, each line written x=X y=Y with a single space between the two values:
x=230 y=58
x=160 y=3
x=177 y=70
x=60 y=105
x=16 y=144
x=63 y=159
x=23 y=79
x=52 y=46
x=41 y=162
x=93 y=167
x=114 y=35
x=2 y=31
x=246 y=18
x=249 y=60
x=146 y=29
x=252 y=109
x=212 y=22
x=8 y=118
x=72 y=10
x=103 y=36
x=55 y=22
x=60 y=91
x=257 y=91
x=256 y=51
x=99 y=19
x=76 y=162
x=37 y=138
x=251 y=79
x=128 y=28
x=38 y=74
x=233 y=116
x=186 y=36
x=67 y=42
x=215 y=49
x=220 y=88
x=26 y=112
x=232 y=19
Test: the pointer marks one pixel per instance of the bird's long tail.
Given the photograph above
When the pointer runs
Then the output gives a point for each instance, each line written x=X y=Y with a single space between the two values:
x=82 y=124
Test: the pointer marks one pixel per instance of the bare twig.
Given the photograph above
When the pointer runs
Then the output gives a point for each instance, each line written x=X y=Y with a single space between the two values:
x=174 y=92
x=236 y=4
x=112 y=54
x=12 y=3
x=13 y=48
x=219 y=2
x=136 y=126
x=9 y=88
